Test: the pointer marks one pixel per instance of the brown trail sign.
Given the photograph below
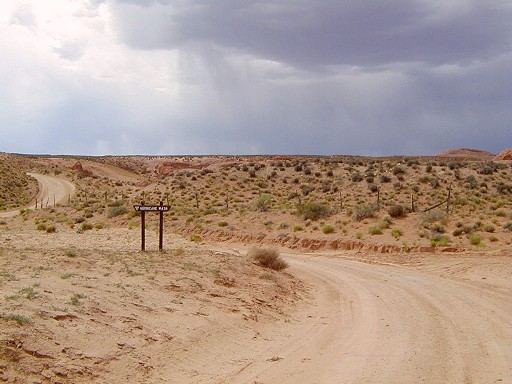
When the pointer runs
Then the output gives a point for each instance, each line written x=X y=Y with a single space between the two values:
x=152 y=208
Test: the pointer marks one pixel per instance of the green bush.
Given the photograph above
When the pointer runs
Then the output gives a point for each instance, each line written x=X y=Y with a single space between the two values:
x=375 y=230
x=475 y=239
x=86 y=226
x=313 y=211
x=223 y=223
x=263 y=202
x=397 y=232
x=439 y=240
x=327 y=228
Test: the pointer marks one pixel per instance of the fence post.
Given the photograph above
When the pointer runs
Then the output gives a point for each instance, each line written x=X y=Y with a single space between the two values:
x=143 y=229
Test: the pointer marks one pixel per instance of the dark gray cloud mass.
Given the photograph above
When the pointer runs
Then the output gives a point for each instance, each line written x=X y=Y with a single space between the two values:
x=288 y=77
x=317 y=33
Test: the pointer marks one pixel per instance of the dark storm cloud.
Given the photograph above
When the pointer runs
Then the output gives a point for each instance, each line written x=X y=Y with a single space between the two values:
x=274 y=77
x=312 y=33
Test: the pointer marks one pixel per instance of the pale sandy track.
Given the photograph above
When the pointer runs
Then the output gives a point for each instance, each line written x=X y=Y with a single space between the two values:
x=52 y=190
x=371 y=324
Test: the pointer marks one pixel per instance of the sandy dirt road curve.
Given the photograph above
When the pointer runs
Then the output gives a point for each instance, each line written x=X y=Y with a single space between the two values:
x=50 y=189
x=386 y=324
x=371 y=324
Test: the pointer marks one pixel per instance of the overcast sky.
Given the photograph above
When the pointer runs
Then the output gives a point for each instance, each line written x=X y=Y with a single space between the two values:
x=383 y=77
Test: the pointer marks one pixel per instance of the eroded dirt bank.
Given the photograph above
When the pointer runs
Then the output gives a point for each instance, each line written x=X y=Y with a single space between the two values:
x=89 y=307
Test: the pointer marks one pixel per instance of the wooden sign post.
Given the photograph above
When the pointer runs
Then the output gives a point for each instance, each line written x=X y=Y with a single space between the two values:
x=152 y=208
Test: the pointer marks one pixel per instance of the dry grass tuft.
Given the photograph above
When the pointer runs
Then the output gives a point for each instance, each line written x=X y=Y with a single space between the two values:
x=268 y=257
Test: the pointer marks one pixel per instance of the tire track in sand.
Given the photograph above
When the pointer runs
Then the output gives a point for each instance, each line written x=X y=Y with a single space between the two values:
x=50 y=189
x=390 y=324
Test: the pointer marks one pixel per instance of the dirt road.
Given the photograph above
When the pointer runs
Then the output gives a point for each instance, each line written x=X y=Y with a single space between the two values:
x=378 y=324
x=51 y=190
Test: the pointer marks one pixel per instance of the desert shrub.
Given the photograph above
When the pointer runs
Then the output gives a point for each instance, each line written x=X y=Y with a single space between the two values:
x=503 y=188
x=326 y=187
x=20 y=319
x=268 y=257
x=475 y=239
x=116 y=211
x=297 y=228
x=435 y=183
x=373 y=187
x=508 y=226
x=223 y=223
x=487 y=169
x=71 y=253
x=41 y=227
x=397 y=232
x=471 y=182
x=365 y=211
x=458 y=231
x=385 y=179
x=439 y=240
x=327 y=228
x=437 y=227
x=86 y=226
x=313 y=211
x=357 y=177
x=489 y=228
x=433 y=216
x=196 y=238
x=307 y=189
x=385 y=222
x=375 y=230
x=398 y=170
x=262 y=203
x=116 y=203
x=51 y=229
x=359 y=235
x=397 y=211
x=99 y=225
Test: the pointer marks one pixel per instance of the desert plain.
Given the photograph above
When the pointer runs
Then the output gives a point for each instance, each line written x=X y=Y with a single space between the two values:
x=399 y=269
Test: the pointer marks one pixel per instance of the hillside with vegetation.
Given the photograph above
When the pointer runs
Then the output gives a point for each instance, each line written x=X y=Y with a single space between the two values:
x=16 y=187
x=390 y=204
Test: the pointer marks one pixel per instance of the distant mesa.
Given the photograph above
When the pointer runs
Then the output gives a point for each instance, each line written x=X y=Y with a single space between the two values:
x=504 y=155
x=78 y=168
x=467 y=153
